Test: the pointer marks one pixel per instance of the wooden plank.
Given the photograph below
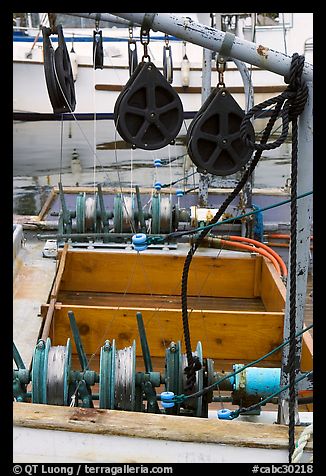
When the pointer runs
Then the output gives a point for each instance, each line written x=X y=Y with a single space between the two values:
x=197 y=89
x=88 y=298
x=154 y=426
x=257 y=276
x=273 y=292
x=132 y=272
x=224 y=334
x=47 y=204
x=54 y=292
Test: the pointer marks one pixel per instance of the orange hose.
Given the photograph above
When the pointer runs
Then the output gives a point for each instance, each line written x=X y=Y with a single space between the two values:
x=260 y=250
x=265 y=247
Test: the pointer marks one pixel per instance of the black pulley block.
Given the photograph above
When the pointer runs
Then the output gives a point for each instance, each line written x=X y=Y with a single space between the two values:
x=58 y=73
x=148 y=112
x=98 y=49
x=213 y=137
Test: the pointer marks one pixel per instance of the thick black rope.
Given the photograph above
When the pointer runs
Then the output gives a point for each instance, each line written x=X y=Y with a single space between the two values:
x=295 y=110
x=284 y=99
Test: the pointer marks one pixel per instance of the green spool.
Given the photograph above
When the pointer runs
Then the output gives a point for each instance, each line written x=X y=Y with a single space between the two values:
x=173 y=373
x=80 y=212
x=39 y=371
x=107 y=375
x=48 y=384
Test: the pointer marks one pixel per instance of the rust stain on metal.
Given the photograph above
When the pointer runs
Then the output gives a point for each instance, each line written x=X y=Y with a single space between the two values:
x=262 y=51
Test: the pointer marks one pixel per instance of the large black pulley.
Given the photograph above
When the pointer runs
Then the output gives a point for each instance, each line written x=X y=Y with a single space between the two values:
x=213 y=138
x=148 y=112
x=58 y=73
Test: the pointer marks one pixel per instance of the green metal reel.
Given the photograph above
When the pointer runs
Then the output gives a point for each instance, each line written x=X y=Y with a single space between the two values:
x=107 y=377
x=123 y=214
x=51 y=373
x=118 y=377
x=173 y=373
x=161 y=212
x=197 y=403
x=80 y=212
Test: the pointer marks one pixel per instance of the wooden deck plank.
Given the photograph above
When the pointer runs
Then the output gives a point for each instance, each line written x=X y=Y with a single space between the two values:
x=145 y=425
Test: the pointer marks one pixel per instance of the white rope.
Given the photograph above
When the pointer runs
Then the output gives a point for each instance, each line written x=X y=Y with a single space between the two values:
x=301 y=443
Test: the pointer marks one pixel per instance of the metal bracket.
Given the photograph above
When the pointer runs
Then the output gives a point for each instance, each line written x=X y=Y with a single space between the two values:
x=226 y=47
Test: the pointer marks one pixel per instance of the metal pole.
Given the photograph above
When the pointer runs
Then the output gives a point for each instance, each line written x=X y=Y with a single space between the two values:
x=205 y=179
x=211 y=38
x=304 y=221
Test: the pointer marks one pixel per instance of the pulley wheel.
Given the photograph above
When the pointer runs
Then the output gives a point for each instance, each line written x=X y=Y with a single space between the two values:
x=107 y=375
x=213 y=138
x=58 y=73
x=148 y=112
x=125 y=378
x=123 y=214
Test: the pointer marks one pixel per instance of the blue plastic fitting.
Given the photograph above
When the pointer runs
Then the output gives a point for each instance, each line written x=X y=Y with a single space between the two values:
x=166 y=398
x=157 y=163
x=139 y=241
x=157 y=185
x=179 y=192
x=257 y=381
x=224 y=414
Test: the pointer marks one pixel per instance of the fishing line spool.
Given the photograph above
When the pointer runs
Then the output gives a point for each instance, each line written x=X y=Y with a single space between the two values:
x=122 y=387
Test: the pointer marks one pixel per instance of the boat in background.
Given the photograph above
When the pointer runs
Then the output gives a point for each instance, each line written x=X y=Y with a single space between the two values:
x=97 y=90
x=122 y=351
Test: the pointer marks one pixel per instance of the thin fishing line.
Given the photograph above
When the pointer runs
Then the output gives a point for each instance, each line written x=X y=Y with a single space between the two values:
x=80 y=128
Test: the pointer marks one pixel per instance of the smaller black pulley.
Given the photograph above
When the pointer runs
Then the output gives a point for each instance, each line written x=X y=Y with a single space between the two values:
x=58 y=73
x=213 y=138
x=98 y=49
x=148 y=112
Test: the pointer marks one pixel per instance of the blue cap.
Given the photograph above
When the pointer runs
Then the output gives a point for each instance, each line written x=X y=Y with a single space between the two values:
x=224 y=414
x=139 y=241
x=166 y=398
x=179 y=192
x=157 y=162
x=157 y=185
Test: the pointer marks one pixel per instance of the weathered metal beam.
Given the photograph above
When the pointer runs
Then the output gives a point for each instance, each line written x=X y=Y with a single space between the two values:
x=211 y=38
x=304 y=221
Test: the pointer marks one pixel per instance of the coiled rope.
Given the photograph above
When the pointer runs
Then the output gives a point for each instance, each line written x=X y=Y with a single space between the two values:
x=289 y=104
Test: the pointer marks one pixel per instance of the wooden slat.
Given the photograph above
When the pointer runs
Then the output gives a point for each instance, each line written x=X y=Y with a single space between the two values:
x=146 y=425
x=224 y=334
x=54 y=292
x=273 y=292
x=197 y=89
x=131 y=272
x=88 y=298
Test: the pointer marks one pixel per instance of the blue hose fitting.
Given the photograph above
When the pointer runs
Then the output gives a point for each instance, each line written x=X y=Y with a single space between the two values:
x=224 y=414
x=157 y=186
x=139 y=241
x=166 y=398
x=179 y=192
x=157 y=163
